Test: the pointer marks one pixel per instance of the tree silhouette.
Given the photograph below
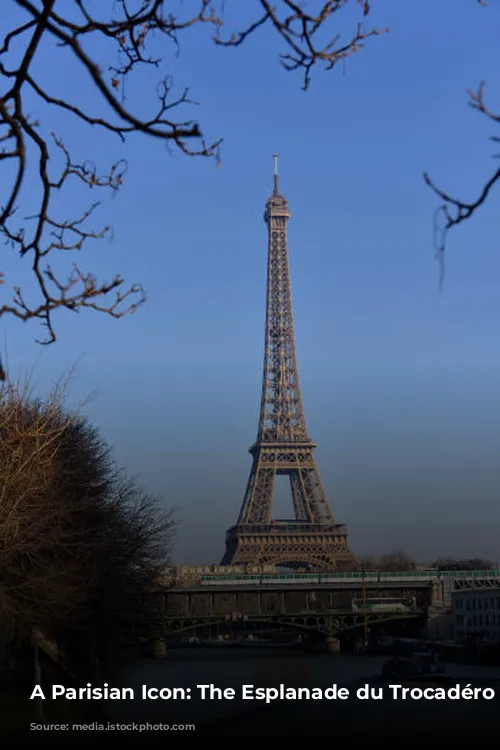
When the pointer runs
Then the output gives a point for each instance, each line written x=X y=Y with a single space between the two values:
x=396 y=560
x=82 y=547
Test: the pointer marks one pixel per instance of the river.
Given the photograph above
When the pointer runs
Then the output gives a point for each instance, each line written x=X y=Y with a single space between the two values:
x=185 y=668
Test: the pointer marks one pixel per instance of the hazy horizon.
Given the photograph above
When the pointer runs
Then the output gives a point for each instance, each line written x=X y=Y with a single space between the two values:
x=400 y=382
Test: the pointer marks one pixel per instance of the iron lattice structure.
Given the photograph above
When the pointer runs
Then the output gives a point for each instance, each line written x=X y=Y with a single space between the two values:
x=283 y=445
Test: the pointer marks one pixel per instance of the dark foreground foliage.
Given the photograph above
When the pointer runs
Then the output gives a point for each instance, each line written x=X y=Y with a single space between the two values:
x=82 y=548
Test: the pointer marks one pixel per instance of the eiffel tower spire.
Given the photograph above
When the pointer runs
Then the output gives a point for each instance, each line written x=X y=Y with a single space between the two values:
x=276 y=188
x=281 y=412
x=283 y=444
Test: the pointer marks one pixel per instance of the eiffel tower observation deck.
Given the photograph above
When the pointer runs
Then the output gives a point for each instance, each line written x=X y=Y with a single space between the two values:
x=283 y=447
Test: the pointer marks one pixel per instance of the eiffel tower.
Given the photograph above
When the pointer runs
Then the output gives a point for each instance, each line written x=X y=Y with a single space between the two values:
x=312 y=539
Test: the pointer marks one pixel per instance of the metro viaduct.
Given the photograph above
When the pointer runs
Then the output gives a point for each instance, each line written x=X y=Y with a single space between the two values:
x=323 y=608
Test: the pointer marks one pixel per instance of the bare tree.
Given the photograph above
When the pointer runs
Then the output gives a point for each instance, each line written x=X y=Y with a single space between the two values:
x=454 y=211
x=81 y=545
x=38 y=537
x=371 y=562
x=396 y=560
x=475 y=563
x=137 y=32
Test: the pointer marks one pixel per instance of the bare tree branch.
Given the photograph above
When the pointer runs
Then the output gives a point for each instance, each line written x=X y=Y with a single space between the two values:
x=299 y=30
x=129 y=33
x=454 y=211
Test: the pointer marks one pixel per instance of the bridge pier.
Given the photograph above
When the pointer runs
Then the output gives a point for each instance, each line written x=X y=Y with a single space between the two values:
x=437 y=595
x=158 y=649
x=332 y=644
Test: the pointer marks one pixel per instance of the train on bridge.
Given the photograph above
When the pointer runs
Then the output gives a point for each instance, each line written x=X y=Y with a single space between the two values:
x=370 y=577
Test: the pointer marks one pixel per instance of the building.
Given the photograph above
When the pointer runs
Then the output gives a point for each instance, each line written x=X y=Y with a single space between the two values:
x=476 y=614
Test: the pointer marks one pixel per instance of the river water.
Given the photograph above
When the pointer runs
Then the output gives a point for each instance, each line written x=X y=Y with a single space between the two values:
x=185 y=668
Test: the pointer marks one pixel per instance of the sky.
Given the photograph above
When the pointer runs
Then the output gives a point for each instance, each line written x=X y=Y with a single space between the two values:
x=400 y=381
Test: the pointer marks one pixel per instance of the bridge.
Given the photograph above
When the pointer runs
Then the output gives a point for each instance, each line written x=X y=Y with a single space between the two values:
x=319 y=602
x=331 y=623
x=322 y=608
x=439 y=584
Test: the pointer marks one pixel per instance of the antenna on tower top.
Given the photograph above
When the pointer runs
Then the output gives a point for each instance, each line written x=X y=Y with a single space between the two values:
x=275 y=157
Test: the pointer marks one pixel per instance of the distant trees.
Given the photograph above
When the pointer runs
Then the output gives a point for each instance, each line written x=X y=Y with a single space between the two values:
x=82 y=547
x=396 y=560
x=474 y=563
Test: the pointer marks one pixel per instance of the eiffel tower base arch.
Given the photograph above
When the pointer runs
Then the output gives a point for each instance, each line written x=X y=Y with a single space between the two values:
x=322 y=549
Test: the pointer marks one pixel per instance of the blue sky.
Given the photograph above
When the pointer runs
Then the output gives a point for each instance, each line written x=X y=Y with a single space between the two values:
x=400 y=382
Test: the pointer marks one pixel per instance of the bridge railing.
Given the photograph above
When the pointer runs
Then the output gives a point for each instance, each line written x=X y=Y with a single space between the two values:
x=378 y=577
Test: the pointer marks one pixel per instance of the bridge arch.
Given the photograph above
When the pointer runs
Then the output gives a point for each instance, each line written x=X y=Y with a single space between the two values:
x=321 y=624
x=194 y=624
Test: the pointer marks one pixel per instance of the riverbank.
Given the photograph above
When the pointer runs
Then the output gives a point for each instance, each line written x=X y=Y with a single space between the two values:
x=385 y=717
x=238 y=717
x=328 y=719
